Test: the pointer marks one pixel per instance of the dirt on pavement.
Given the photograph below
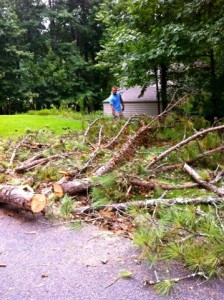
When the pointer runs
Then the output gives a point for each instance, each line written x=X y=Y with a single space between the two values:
x=44 y=260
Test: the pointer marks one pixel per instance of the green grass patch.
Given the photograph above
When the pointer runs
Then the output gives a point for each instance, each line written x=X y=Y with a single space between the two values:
x=15 y=125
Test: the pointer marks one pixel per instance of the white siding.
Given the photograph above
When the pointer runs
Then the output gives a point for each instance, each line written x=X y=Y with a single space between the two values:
x=134 y=108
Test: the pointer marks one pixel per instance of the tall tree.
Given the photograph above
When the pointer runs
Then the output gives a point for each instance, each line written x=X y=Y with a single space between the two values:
x=181 y=39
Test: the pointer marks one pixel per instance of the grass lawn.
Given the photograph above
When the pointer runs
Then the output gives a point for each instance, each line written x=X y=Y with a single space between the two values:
x=14 y=125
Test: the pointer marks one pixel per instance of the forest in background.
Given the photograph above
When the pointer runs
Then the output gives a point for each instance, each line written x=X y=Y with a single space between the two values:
x=70 y=52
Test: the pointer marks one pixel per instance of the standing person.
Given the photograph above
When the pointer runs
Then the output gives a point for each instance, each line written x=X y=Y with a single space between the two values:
x=116 y=103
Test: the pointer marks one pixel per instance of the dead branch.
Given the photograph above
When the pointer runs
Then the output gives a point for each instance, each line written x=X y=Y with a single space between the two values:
x=89 y=127
x=151 y=185
x=22 y=197
x=100 y=136
x=33 y=158
x=31 y=163
x=218 y=176
x=204 y=184
x=207 y=153
x=180 y=165
x=176 y=279
x=148 y=203
x=16 y=149
x=182 y=143
x=168 y=168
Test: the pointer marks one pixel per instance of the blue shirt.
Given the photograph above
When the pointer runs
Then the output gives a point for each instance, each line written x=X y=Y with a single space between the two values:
x=115 y=100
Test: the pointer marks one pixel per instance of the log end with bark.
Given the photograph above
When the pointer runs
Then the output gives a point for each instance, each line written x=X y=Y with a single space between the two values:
x=22 y=198
x=71 y=187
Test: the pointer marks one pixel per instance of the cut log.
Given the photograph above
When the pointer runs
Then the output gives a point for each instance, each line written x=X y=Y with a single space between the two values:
x=21 y=198
x=72 y=187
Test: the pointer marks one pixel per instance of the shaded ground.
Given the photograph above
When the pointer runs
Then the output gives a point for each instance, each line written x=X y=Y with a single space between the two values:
x=41 y=261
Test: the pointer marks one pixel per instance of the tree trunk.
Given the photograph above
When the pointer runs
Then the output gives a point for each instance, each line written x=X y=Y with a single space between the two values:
x=214 y=98
x=163 y=81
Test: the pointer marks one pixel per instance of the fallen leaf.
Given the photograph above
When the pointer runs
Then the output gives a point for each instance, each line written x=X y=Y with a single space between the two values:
x=104 y=261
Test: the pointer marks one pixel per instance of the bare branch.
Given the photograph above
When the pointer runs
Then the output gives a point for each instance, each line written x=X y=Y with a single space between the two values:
x=206 y=185
x=182 y=143
x=149 y=203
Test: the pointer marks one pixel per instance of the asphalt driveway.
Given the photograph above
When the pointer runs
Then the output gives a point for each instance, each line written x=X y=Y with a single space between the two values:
x=41 y=260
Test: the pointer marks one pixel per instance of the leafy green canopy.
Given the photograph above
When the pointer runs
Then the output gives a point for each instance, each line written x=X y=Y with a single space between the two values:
x=181 y=39
x=47 y=55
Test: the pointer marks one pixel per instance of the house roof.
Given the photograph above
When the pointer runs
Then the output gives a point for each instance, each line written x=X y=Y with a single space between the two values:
x=132 y=94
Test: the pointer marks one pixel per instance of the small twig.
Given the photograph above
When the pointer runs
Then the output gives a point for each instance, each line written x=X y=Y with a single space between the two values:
x=218 y=177
x=100 y=136
x=16 y=149
x=57 y=224
x=88 y=128
x=177 y=279
x=112 y=282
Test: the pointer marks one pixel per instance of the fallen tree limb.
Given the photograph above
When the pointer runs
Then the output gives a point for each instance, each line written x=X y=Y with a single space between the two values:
x=33 y=163
x=128 y=149
x=218 y=176
x=148 y=203
x=89 y=127
x=71 y=187
x=125 y=153
x=16 y=149
x=206 y=185
x=151 y=185
x=182 y=143
x=22 y=198
x=180 y=165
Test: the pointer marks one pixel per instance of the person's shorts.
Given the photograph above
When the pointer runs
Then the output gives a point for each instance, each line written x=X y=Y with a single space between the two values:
x=119 y=115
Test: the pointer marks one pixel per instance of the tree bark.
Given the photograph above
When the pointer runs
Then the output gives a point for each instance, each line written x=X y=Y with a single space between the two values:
x=21 y=198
